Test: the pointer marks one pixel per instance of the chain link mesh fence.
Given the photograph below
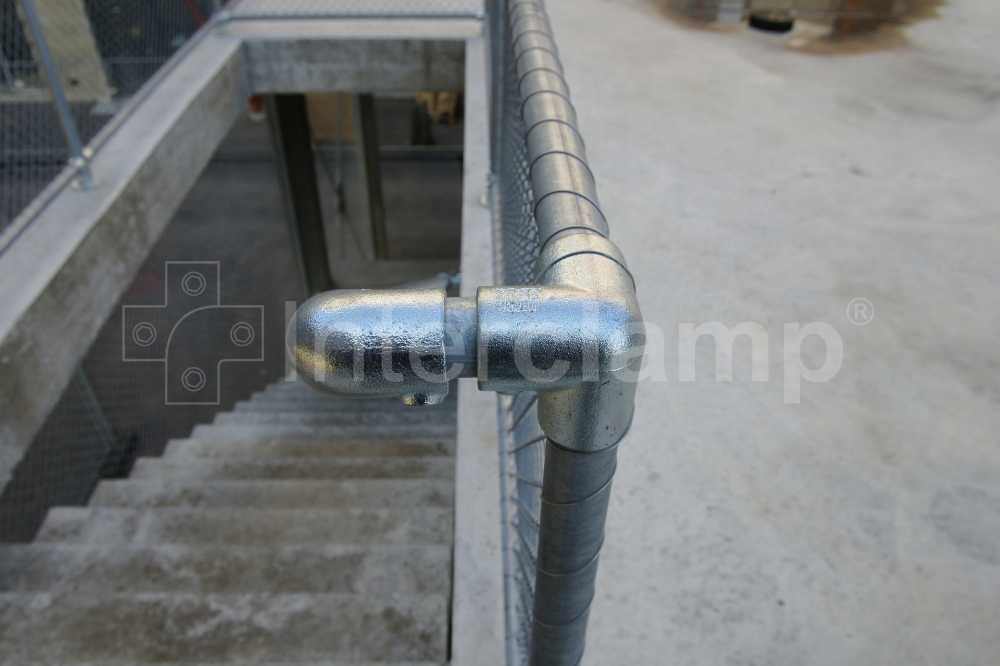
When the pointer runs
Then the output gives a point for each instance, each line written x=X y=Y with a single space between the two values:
x=522 y=443
x=231 y=230
x=102 y=50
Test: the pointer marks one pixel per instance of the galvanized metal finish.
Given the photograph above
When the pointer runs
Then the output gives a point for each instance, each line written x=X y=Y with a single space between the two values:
x=585 y=423
x=375 y=344
x=573 y=337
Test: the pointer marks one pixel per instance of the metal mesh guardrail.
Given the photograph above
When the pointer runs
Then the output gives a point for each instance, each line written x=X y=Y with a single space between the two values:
x=558 y=447
x=101 y=52
x=522 y=443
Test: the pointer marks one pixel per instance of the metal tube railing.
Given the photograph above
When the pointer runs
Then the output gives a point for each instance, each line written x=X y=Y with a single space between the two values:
x=579 y=465
x=574 y=336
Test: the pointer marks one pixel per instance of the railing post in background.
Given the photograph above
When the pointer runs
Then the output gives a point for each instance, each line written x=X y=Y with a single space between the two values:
x=496 y=17
x=78 y=160
x=292 y=139
x=372 y=167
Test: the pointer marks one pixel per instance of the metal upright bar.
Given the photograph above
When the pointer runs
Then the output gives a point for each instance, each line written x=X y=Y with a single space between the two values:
x=373 y=172
x=292 y=139
x=580 y=452
x=84 y=179
x=496 y=17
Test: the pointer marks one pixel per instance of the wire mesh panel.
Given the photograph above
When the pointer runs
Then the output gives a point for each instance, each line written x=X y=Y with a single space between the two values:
x=522 y=443
x=522 y=455
x=102 y=51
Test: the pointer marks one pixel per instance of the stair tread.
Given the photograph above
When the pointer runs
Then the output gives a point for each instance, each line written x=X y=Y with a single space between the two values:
x=298 y=528
x=274 y=494
x=102 y=569
x=240 y=628
x=246 y=526
x=401 y=467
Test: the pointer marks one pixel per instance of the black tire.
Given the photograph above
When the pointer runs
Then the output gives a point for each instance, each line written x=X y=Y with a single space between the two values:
x=772 y=20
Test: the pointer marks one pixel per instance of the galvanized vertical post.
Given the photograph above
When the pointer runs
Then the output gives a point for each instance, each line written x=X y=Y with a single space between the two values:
x=496 y=17
x=84 y=179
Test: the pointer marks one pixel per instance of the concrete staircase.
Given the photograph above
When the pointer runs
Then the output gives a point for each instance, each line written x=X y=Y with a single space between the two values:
x=297 y=528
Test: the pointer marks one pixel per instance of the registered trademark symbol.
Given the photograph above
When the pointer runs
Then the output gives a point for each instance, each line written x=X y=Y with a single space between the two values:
x=860 y=311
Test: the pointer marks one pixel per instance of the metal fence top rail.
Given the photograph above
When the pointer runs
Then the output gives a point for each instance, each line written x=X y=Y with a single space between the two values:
x=65 y=177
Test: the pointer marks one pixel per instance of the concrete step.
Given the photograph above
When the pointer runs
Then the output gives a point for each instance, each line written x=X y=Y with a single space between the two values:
x=293 y=447
x=410 y=467
x=103 y=569
x=268 y=494
x=249 y=527
x=244 y=628
x=320 y=418
x=219 y=433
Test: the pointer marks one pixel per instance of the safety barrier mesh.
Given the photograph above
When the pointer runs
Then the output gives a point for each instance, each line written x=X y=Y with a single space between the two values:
x=227 y=245
x=103 y=52
x=522 y=443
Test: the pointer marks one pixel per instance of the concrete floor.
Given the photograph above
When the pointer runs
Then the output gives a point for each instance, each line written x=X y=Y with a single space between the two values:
x=747 y=182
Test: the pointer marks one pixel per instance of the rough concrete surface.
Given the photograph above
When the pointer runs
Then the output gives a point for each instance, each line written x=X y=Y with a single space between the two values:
x=192 y=567
x=746 y=182
x=477 y=630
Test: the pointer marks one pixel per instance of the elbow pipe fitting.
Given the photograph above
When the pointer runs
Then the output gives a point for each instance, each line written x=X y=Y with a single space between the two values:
x=378 y=344
x=573 y=337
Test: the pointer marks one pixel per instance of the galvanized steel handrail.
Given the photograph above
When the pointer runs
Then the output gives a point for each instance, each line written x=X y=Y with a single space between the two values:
x=573 y=336
x=577 y=473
